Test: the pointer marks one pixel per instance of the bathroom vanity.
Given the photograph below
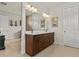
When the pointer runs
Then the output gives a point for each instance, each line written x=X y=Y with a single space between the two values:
x=37 y=34
x=36 y=42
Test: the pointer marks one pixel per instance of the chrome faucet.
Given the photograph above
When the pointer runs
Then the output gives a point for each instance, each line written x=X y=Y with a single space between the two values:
x=46 y=30
x=32 y=31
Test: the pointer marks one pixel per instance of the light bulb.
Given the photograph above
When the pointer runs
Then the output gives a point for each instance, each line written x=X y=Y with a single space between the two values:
x=35 y=10
x=32 y=8
x=45 y=15
x=28 y=6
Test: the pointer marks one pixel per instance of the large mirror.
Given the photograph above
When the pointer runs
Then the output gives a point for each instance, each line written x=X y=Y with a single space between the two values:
x=35 y=21
x=32 y=21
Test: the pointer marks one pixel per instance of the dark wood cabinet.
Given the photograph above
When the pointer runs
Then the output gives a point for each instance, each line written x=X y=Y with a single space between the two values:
x=2 y=42
x=36 y=43
x=51 y=38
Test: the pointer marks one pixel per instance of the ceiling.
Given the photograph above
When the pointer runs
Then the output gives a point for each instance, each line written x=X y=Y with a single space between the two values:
x=48 y=7
x=12 y=7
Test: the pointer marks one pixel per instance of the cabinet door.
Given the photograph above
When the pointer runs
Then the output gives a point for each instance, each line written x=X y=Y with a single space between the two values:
x=29 y=44
x=41 y=42
x=44 y=41
x=36 y=44
x=51 y=38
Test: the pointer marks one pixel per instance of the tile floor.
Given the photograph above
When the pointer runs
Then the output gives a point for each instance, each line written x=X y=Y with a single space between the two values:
x=13 y=49
x=58 y=51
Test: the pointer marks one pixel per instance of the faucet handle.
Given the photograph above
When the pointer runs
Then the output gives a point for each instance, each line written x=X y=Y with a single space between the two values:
x=32 y=31
x=46 y=30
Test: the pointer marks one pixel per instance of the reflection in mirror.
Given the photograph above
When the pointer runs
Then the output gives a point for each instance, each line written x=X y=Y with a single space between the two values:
x=35 y=21
x=10 y=22
x=55 y=21
x=29 y=23
x=20 y=22
x=15 y=23
x=43 y=23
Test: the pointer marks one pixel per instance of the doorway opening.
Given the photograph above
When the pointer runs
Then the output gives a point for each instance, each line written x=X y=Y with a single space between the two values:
x=10 y=28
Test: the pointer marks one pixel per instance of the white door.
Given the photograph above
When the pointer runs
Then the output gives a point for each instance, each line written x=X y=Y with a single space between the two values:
x=70 y=27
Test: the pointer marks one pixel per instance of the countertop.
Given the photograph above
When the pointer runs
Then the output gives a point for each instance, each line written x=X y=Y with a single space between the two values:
x=1 y=34
x=36 y=32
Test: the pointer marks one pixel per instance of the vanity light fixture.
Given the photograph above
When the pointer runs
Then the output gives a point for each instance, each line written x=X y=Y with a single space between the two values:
x=35 y=10
x=28 y=7
x=45 y=15
x=31 y=8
